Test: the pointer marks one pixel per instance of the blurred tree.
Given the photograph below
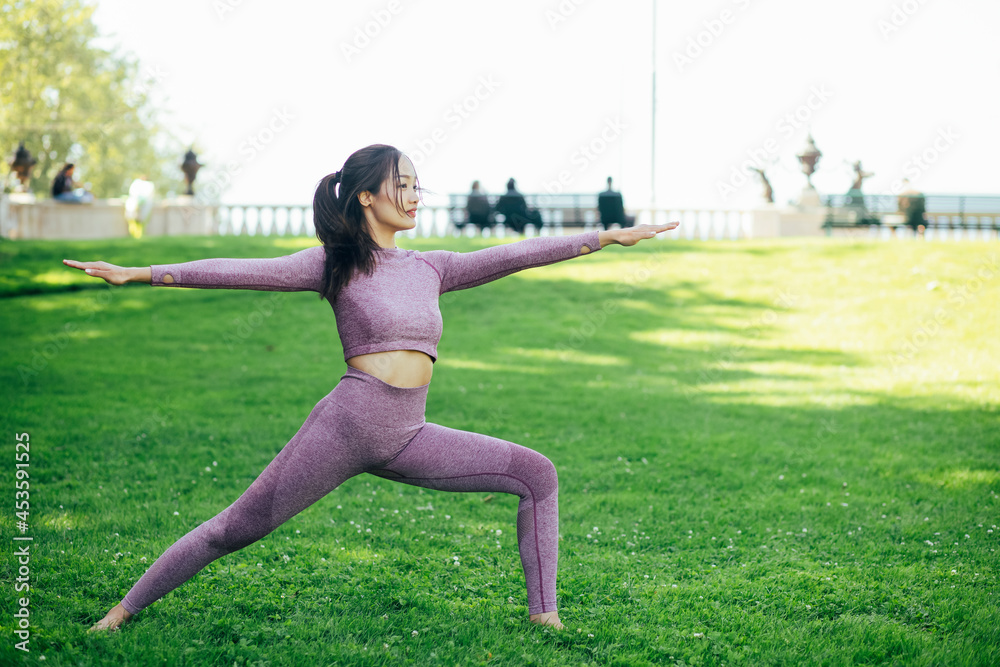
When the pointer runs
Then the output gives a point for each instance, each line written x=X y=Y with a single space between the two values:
x=70 y=101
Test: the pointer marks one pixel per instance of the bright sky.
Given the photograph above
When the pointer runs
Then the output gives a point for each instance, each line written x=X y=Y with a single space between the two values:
x=276 y=95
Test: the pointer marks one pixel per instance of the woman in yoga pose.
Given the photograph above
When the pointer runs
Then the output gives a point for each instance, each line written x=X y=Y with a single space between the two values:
x=385 y=300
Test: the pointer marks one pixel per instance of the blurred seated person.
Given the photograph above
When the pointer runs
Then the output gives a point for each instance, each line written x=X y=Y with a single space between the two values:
x=64 y=190
x=913 y=206
x=515 y=210
x=478 y=208
x=612 y=209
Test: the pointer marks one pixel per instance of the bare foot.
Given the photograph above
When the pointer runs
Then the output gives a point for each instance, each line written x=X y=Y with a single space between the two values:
x=113 y=619
x=548 y=618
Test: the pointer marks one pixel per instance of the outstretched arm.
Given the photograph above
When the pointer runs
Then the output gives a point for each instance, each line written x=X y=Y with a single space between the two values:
x=301 y=271
x=462 y=270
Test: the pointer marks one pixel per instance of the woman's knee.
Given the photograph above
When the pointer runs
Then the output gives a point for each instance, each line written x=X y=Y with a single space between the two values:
x=231 y=531
x=537 y=471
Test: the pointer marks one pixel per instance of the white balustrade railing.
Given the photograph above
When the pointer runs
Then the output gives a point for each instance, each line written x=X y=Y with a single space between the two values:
x=22 y=217
x=437 y=221
x=264 y=220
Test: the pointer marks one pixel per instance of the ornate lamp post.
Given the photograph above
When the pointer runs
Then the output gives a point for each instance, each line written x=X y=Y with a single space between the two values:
x=190 y=167
x=22 y=165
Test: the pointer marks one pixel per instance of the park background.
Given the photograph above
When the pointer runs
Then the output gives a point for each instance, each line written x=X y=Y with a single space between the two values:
x=525 y=90
x=770 y=452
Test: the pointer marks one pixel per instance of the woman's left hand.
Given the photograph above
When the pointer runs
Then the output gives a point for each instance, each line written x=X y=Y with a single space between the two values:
x=632 y=235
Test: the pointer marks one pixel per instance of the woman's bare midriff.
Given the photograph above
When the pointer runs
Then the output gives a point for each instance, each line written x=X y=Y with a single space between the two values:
x=402 y=368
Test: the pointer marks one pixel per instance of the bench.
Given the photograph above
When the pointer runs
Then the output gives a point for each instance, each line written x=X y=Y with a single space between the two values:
x=944 y=213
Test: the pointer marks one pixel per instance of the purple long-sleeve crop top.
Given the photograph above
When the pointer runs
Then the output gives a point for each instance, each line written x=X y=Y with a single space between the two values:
x=395 y=308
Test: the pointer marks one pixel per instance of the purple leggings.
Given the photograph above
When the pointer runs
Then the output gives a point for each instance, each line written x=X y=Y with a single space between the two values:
x=367 y=425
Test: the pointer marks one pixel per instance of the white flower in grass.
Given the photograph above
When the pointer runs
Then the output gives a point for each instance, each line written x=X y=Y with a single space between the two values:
x=177 y=513
x=414 y=633
x=208 y=468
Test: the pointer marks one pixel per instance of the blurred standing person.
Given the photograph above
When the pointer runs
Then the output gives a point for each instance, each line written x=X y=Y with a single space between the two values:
x=611 y=207
x=139 y=205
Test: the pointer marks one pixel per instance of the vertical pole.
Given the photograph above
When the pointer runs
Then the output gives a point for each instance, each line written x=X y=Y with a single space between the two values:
x=652 y=169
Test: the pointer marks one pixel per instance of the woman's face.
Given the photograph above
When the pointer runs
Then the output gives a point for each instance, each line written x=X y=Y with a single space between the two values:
x=381 y=209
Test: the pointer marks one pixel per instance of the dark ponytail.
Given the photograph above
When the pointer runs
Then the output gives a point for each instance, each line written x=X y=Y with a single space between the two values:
x=339 y=217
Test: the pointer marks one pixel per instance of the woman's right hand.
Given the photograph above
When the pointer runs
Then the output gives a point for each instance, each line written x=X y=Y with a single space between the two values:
x=114 y=275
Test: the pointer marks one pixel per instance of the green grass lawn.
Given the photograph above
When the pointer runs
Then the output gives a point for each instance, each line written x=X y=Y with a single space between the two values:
x=769 y=452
